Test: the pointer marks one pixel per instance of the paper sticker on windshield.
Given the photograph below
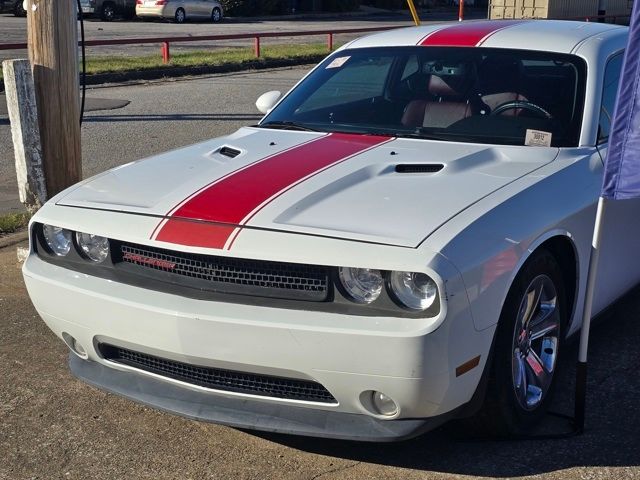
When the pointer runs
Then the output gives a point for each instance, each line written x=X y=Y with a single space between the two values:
x=338 y=62
x=538 y=138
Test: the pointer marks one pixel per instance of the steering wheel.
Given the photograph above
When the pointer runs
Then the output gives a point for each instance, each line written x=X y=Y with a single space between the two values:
x=522 y=104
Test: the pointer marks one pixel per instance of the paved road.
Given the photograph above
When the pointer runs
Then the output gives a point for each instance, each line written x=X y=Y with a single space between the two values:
x=160 y=117
x=54 y=427
x=14 y=30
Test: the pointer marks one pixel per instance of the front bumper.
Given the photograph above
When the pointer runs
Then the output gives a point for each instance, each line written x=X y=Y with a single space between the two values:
x=251 y=414
x=348 y=355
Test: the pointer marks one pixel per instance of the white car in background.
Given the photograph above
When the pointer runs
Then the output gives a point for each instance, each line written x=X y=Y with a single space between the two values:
x=180 y=10
x=403 y=239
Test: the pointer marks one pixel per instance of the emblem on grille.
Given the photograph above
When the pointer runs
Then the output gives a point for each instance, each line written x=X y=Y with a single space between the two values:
x=152 y=262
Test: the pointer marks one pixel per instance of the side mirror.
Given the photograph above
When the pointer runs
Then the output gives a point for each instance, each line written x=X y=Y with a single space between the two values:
x=266 y=101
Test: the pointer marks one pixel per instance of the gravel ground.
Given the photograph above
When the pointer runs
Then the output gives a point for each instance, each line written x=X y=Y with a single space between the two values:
x=54 y=427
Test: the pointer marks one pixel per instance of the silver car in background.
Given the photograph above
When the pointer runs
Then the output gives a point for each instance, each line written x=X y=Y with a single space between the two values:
x=180 y=10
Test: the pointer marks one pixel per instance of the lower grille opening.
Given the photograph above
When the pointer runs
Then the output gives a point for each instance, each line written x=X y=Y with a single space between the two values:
x=218 y=379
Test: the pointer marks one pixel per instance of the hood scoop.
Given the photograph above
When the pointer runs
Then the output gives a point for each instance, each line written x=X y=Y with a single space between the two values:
x=419 y=168
x=229 y=152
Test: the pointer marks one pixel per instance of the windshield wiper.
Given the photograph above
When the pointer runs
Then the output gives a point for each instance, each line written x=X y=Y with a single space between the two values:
x=286 y=125
x=427 y=134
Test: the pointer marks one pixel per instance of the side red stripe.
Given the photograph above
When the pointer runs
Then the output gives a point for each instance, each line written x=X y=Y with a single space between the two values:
x=236 y=198
x=467 y=34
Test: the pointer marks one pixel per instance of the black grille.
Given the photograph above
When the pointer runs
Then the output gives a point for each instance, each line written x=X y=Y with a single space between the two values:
x=228 y=275
x=217 y=379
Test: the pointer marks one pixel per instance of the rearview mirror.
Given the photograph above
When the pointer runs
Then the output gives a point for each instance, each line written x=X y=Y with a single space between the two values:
x=266 y=101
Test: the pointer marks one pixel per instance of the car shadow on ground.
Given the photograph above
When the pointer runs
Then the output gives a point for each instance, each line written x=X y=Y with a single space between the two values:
x=610 y=439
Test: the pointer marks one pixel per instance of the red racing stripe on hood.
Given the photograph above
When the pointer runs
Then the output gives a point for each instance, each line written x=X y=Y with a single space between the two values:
x=467 y=34
x=233 y=200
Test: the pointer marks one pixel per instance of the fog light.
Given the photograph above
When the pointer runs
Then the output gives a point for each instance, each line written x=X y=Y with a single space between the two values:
x=384 y=404
x=74 y=345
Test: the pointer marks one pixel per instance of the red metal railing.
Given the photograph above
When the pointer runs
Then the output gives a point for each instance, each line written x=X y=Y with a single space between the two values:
x=166 y=41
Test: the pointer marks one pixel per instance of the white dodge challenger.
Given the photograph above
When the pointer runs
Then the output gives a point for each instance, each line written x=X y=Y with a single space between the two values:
x=403 y=239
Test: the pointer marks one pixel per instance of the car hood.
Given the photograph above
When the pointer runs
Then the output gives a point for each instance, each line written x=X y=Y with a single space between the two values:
x=383 y=190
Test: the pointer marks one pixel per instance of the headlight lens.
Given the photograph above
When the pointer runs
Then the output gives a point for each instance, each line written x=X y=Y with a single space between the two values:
x=362 y=284
x=58 y=239
x=95 y=247
x=415 y=290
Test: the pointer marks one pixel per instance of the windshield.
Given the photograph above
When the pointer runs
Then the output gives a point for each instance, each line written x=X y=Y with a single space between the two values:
x=482 y=95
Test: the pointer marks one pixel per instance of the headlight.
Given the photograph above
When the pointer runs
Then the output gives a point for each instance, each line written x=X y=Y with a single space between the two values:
x=96 y=248
x=414 y=290
x=58 y=239
x=362 y=284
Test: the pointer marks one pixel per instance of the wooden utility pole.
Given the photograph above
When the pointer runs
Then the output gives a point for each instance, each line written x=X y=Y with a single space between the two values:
x=53 y=46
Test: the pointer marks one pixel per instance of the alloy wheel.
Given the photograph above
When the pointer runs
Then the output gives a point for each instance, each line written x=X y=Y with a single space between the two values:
x=535 y=342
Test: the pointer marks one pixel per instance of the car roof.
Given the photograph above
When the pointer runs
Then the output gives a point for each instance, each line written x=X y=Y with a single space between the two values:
x=546 y=35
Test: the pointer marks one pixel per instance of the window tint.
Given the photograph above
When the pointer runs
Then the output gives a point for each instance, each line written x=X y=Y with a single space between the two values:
x=609 y=95
x=356 y=79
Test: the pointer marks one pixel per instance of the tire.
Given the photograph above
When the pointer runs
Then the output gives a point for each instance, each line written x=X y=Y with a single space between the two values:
x=180 y=16
x=108 y=12
x=216 y=15
x=525 y=360
x=19 y=10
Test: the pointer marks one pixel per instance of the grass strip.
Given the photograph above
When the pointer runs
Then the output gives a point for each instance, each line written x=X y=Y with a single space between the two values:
x=217 y=57
x=214 y=57
x=13 y=222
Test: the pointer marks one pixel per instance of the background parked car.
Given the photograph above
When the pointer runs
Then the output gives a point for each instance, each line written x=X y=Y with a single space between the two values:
x=108 y=10
x=180 y=10
x=87 y=7
x=14 y=6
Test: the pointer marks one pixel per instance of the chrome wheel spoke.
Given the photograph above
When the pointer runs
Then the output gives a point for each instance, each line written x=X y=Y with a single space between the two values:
x=520 y=376
x=549 y=323
x=532 y=299
x=539 y=374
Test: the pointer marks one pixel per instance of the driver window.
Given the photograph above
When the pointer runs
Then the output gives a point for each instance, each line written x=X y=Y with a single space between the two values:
x=609 y=95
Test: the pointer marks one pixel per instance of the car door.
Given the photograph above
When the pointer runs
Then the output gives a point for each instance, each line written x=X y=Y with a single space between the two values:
x=195 y=8
x=619 y=265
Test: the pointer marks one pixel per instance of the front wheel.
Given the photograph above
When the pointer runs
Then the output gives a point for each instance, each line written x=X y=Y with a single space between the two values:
x=108 y=12
x=216 y=15
x=180 y=16
x=527 y=345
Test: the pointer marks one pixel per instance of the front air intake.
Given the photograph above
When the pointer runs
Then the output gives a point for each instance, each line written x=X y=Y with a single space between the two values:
x=219 y=379
x=229 y=152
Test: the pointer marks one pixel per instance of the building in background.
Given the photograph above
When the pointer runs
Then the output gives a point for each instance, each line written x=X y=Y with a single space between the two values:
x=557 y=8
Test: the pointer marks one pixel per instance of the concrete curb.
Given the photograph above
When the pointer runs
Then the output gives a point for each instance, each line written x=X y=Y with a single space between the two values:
x=14 y=238
x=172 y=72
